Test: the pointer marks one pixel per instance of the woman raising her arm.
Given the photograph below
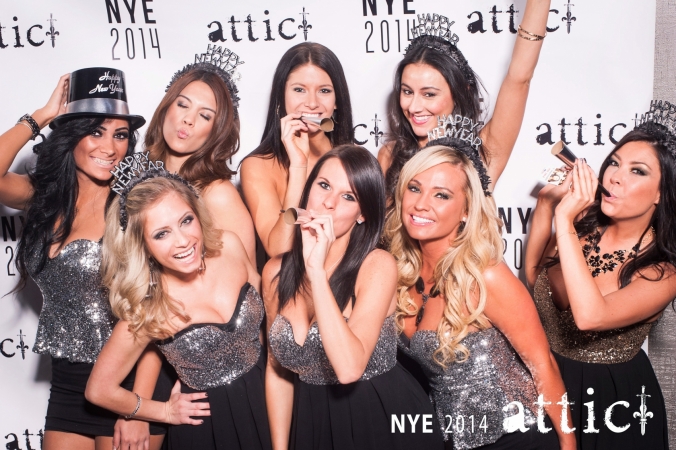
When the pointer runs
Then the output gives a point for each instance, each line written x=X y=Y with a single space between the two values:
x=605 y=276
x=435 y=79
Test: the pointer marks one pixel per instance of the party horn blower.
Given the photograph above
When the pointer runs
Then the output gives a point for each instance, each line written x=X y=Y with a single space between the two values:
x=561 y=151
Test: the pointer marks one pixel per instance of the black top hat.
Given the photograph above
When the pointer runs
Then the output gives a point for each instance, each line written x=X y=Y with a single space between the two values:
x=98 y=91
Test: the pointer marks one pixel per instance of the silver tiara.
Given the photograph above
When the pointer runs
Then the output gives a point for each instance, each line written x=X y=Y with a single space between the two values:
x=661 y=112
x=219 y=60
x=136 y=169
x=435 y=25
x=462 y=134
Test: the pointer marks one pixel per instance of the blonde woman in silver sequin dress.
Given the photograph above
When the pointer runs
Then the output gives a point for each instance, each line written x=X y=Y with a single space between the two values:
x=464 y=317
x=333 y=381
x=176 y=280
x=608 y=274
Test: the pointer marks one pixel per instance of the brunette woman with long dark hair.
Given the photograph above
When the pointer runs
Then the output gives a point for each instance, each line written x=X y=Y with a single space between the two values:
x=195 y=132
x=308 y=82
x=605 y=276
x=64 y=197
x=333 y=381
x=435 y=79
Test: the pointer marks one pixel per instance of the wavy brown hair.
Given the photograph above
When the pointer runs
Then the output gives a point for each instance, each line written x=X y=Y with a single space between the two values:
x=459 y=272
x=210 y=162
x=126 y=262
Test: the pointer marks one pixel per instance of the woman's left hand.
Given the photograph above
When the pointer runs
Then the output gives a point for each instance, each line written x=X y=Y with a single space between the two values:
x=582 y=183
x=131 y=435
x=317 y=239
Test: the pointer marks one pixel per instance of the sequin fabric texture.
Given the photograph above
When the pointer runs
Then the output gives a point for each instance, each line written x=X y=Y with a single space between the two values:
x=566 y=339
x=310 y=362
x=76 y=320
x=470 y=397
x=209 y=355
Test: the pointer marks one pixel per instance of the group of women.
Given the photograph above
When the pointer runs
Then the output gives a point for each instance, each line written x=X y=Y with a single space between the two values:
x=386 y=318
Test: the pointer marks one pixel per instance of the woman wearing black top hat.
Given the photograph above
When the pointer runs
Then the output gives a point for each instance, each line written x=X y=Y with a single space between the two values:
x=64 y=198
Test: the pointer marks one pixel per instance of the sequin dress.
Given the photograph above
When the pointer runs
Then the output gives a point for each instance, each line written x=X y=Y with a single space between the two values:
x=75 y=322
x=226 y=360
x=469 y=397
x=604 y=368
x=360 y=415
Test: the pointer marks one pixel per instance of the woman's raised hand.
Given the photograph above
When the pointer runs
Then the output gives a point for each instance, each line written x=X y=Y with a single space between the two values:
x=295 y=139
x=180 y=408
x=582 y=184
x=317 y=237
x=56 y=105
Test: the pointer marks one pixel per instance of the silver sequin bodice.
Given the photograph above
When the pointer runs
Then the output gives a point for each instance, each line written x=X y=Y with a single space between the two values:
x=209 y=355
x=76 y=320
x=492 y=377
x=310 y=362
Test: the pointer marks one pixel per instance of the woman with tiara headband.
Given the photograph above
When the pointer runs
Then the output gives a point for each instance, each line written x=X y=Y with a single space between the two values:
x=434 y=79
x=177 y=280
x=195 y=131
x=604 y=278
x=64 y=198
x=308 y=85
x=341 y=386
x=464 y=317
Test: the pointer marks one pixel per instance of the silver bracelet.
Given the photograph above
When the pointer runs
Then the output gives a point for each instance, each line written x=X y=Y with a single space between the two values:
x=138 y=405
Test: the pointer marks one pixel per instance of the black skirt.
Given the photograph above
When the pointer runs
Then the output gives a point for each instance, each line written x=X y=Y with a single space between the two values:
x=359 y=416
x=613 y=383
x=238 y=421
x=69 y=411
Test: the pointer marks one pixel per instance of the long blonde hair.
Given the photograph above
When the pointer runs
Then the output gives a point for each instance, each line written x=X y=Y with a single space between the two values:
x=126 y=263
x=459 y=273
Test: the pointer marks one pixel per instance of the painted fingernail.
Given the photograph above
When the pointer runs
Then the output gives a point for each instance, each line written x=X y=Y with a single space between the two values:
x=206 y=394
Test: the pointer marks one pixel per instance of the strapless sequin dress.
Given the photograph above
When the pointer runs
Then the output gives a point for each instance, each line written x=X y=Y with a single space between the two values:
x=225 y=360
x=605 y=367
x=360 y=415
x=473 y=398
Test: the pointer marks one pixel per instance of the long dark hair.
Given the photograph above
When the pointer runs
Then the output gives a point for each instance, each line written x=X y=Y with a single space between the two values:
x=465 y=88
x=367 y=183
x=271 y=145
x=662 y=250
x=55 y=192
x=210 y=162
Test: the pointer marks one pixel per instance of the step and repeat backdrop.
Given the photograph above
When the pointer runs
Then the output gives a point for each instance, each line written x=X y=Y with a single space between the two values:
x=594 y=77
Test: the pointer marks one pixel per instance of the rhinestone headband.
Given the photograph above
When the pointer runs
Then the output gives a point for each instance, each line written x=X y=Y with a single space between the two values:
x=136 y=169
x=661 y=112
x=434 y=31
x=462 y=134
x=220 y=61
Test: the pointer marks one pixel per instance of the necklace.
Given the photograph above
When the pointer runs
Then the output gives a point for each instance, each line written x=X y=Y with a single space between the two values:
x=420 y=289
x=598 y=263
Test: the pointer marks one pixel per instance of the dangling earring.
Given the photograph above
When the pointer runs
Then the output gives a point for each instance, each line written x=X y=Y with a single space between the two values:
x=277 y=111
x=462 y=225
x=203 y=266
x=152 y=283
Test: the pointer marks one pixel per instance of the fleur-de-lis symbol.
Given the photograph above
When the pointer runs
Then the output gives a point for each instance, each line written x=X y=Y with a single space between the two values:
x=52 y=33
x=22 y=346
x=304 y=25
x=643 y=412
x=569 y=19
x=376 y=133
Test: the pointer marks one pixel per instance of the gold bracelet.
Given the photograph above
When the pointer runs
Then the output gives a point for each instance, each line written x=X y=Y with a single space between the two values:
x=531 y=36
x=568 y=232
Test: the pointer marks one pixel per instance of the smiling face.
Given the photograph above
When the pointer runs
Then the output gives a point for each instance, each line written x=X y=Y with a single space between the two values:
x=633 y=178
x=96 y=154
x=190 y=118
x=332 y=194
x=424 y=95
x=173 y=235
x=434 y=204
x=309 y=92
